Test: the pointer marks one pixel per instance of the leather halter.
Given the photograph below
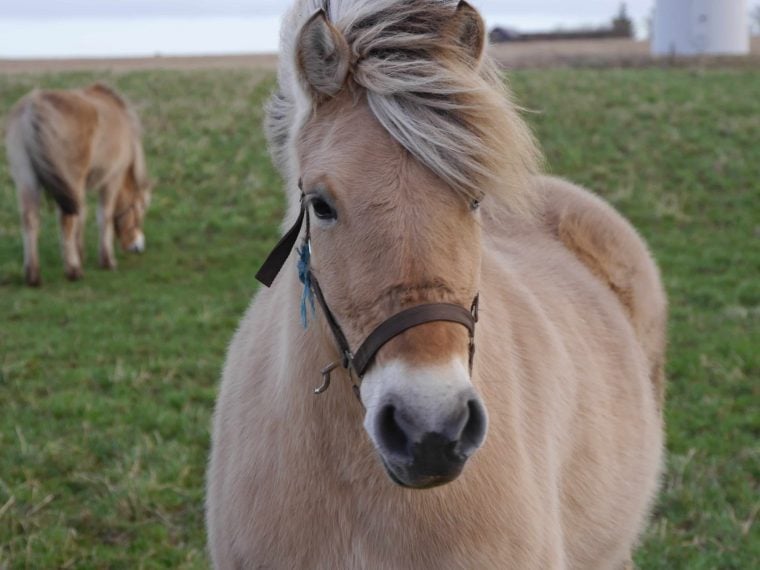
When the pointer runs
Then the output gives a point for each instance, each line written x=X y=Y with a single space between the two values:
x=124 y=212
x=361 y=360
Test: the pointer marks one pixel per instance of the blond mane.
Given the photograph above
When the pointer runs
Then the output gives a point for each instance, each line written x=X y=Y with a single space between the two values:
x=453 y=115
x=139 y=168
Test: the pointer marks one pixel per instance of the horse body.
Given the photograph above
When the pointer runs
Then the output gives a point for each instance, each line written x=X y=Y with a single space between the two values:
x=565 y=478
x=569 y=345
x=64 y=142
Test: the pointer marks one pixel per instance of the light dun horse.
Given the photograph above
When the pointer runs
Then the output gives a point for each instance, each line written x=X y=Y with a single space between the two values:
x=391 y=117
x=64 y=142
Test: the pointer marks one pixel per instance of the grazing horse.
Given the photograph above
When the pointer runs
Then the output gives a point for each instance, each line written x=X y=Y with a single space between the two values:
x=64 y=142
x=503 y=331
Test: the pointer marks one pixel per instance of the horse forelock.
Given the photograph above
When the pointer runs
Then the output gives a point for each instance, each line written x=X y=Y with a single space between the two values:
x=453 y=115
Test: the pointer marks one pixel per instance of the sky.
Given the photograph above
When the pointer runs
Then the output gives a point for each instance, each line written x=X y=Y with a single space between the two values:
x=91 y=28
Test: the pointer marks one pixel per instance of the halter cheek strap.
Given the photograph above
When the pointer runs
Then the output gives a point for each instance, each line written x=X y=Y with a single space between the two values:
x=124 y=212
x=389 y=329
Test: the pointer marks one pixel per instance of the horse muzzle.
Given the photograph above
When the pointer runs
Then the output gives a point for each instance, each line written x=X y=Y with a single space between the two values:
x=138 y=246
x=425 y=423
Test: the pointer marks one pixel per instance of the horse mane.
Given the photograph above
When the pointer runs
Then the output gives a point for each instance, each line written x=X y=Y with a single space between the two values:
x=452 y=114
x=139 y=168
x=103 y=89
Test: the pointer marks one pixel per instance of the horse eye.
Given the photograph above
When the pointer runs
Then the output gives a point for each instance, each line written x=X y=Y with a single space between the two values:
x=323 y=210
x=474 y=205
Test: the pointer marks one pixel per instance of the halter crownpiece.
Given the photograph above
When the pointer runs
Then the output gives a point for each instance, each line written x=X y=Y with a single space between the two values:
x=360 y=361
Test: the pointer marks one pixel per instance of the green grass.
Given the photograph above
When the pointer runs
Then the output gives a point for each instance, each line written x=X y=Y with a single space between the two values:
x=106 y=386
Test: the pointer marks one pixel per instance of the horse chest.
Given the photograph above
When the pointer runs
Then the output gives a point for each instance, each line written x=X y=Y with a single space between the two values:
x=322 y=523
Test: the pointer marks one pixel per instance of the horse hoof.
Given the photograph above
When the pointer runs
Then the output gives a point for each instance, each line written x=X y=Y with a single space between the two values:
x=33 y=279
x=107 y=264
x=74 y=274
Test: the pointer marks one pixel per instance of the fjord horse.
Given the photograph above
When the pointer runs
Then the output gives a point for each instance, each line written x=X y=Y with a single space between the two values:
x=504 y=331
x=64 y=142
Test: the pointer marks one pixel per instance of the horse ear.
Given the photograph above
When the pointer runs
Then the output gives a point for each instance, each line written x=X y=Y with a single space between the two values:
x=323 y=56
x=470 y=30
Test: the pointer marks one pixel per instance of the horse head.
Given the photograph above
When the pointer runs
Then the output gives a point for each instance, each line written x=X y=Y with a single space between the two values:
x=132 y=203
x=394 y=220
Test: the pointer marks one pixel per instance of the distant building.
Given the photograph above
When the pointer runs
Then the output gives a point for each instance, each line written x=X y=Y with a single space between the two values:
x=499 y=35
x=701 y=27
x=622 y=27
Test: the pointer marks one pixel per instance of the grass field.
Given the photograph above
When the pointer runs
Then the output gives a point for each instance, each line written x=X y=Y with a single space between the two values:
x=106 y=386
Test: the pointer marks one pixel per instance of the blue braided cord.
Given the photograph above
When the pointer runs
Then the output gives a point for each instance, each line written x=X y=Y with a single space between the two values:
x=304 y=260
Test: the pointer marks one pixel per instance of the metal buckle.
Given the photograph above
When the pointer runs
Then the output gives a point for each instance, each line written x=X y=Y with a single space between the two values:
x=326 y=378
x=347 y=359
x=475 y=308
x=330 y=368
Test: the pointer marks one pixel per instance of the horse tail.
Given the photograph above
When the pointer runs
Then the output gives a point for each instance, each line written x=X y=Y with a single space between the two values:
x=16 y=149
x=610 y=247
x=38 y=143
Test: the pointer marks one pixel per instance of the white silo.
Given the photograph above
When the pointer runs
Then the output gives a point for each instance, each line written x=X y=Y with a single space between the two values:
x=700 y=27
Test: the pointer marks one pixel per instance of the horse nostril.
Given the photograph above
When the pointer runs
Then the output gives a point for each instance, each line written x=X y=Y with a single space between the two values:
x=400 y=432
x=392 y=436
x=474 y=429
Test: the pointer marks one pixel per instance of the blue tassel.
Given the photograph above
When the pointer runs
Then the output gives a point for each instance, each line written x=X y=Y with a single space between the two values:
x=304 y=261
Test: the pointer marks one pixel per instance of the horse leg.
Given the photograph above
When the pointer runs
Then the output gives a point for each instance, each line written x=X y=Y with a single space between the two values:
x=71 y=261
x=80 y=230
x=29 y=205
x=106 y=209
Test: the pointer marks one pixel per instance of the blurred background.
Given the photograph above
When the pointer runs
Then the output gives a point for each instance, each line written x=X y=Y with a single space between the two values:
x=94 y=28
x=145 y=29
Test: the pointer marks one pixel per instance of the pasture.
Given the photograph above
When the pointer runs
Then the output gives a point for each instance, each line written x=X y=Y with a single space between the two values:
x=107 y=385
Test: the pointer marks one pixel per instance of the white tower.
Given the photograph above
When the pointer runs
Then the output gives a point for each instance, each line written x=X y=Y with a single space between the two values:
x=700 y=27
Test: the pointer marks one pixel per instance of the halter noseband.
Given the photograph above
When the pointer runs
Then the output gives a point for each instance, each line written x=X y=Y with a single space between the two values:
x=361 y=360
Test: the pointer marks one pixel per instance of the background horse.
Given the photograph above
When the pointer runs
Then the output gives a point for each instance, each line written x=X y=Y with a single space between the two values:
x=63 y=142
x=417 y=184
